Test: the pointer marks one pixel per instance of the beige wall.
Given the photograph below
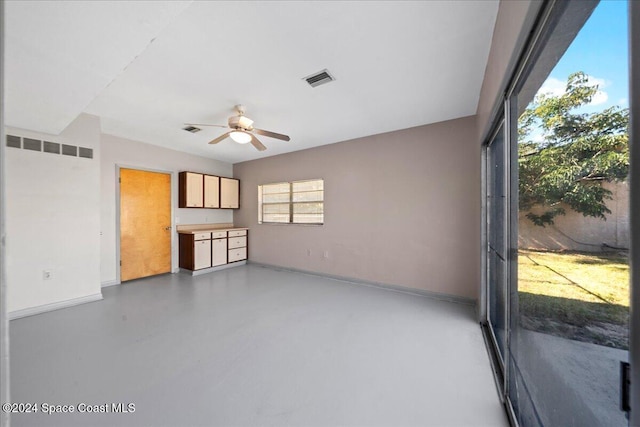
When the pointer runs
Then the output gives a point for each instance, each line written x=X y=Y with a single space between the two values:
x=401 y=208
x=574 y=231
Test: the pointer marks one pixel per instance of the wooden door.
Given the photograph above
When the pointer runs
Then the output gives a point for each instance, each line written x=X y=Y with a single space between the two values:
x=145 y=223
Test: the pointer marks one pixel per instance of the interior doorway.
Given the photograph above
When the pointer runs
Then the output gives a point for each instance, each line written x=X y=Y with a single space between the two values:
x=145 y=223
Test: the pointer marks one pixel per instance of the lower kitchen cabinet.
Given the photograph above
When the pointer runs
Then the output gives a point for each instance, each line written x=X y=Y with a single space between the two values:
x=219 y=247
x=195 y=251
x=237 y=254
x=206 y=250
x=237 y=245
x=202 y=254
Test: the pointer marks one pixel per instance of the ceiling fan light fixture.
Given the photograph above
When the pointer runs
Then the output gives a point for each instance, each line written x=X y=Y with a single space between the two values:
x=240 y=137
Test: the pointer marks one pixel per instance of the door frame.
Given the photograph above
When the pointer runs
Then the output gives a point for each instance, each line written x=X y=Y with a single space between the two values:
x=634 y=157
x=173 y=225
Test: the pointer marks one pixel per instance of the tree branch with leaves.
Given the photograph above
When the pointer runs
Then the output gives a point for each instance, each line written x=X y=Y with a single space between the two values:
x=564 y=156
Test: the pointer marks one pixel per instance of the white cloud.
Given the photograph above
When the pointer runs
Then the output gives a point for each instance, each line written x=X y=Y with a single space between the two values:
x=537 y=137
x=557 y=87
x=553 y=86
x=599 y=98
x=623 y=102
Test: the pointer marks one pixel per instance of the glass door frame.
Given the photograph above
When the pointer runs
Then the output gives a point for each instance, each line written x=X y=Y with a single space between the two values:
x=634 y=259
x=499 y=359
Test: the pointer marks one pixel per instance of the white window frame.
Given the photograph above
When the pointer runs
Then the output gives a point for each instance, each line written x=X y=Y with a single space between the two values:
x=291 y=203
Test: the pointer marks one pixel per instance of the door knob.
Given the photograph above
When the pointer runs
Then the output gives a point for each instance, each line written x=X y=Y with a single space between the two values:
x=167 y=228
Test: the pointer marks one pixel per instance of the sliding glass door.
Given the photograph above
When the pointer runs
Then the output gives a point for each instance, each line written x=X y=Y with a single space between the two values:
x=557 y=221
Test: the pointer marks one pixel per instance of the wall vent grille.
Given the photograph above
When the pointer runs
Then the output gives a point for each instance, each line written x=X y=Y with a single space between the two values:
x=31 y=144
x=319 y=78
x=51 y=147
x=15 y=141
x=69 y=150
x=87 y=153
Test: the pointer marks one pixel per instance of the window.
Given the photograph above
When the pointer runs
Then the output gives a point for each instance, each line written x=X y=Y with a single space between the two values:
x=298 y=202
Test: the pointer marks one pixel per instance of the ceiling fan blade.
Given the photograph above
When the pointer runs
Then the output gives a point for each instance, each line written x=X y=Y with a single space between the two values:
x=257 y=144
x=220 y=138
x=271 y=134
x=204 y=124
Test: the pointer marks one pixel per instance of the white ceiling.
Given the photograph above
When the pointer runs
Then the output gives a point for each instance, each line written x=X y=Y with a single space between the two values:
x=146 y=68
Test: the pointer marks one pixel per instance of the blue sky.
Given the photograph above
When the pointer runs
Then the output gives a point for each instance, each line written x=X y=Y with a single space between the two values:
x=601 y=51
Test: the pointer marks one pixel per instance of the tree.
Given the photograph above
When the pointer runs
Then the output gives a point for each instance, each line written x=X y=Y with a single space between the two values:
x=564 y=156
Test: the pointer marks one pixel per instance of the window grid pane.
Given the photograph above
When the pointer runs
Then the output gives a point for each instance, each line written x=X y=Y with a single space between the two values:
x=307 y=208
x=308 y=218
x=280 y=208
x=308 y=185
x=282 y=187
x=276 y=198
x=308 y=196
x=279 y=218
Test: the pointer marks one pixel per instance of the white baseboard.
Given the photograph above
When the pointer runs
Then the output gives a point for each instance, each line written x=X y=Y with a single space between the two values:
x=109 y=283
x=17 y=314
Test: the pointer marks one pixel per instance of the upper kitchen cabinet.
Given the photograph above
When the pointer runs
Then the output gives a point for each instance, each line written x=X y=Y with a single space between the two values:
x=191 y=191
x=229 y=193
x=199 y=190
x=211 y=191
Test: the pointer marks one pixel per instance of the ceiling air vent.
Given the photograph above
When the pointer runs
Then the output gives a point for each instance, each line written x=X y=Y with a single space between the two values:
x=192 y=129
x=319 y=78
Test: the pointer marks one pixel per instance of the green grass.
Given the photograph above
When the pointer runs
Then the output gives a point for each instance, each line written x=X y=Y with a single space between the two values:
x=580 y=296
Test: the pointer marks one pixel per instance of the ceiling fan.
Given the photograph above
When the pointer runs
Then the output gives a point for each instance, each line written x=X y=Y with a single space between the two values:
x=241 y=130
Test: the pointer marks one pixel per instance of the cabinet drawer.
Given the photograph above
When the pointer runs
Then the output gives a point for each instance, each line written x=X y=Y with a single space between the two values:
x=237 y=233
x=237 y=242
x=238 y=254
x=218 y=234
x=202 y=236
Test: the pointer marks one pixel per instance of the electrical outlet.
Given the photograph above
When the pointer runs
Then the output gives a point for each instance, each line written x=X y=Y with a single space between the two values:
x=46 y=275
x=326 y=254
x=308 y=252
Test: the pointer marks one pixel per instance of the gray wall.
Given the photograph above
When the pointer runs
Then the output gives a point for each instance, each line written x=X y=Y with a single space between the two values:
x=401 y=208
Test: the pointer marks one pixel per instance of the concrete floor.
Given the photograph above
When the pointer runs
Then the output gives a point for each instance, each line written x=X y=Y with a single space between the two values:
x=255 y=346
x=571 y=383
